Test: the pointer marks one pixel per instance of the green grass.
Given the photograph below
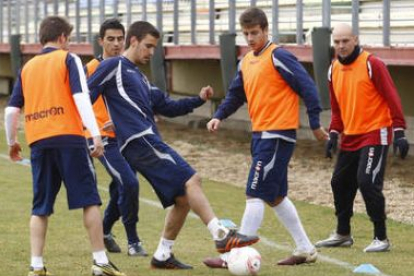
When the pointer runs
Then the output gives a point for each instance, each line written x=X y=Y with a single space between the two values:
x=67 y=250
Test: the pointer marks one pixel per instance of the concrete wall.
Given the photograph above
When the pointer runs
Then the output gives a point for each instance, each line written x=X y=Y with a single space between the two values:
x=5 y=66
x=188 y=76
x=5 y=86
x=5 y=74
x=404 y=81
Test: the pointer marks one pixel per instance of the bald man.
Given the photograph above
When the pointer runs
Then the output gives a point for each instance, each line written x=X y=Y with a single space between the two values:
x=366 y=115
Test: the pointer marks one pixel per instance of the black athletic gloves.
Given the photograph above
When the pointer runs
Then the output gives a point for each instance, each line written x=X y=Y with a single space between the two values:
x=332 y=144
x=400 y=143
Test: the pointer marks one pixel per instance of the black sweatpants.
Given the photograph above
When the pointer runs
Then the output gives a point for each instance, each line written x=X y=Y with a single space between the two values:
x=363 y=169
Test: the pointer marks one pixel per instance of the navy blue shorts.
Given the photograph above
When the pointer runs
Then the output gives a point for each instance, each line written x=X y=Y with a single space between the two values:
x=73 y=166
x=268 y=173
x=165 y=169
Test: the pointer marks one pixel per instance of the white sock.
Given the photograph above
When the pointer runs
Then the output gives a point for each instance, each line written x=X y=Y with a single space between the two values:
x=164 y=249
x=37 y=262
x=252 y=217
x=217 y=230
x=100 y=257
x=287 y=214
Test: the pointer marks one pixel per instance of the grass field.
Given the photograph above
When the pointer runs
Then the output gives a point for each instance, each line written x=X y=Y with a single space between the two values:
x=67 y=250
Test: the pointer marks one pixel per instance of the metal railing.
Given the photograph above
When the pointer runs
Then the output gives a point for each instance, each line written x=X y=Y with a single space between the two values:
x=202 y=21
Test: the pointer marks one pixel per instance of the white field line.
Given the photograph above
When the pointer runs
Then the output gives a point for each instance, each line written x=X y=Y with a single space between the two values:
x=263 y=239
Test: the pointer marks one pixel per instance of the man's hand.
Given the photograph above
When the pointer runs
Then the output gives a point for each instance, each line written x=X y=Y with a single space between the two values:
x=400 y=143
x=14 y=152
x=206 y=93
x=98 y=147
x=108 y=126
x=213 y=125
x=332 y=144
x=320 y=134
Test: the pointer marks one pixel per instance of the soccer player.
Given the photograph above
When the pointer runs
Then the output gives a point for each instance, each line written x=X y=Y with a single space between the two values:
x=52 y=87
x=366 y=112
x=124 y=187
x=132 y=102
x=271 y=81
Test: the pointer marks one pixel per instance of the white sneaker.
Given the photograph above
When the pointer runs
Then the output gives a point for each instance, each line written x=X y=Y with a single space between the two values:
x=336 y=240
x=378 y=246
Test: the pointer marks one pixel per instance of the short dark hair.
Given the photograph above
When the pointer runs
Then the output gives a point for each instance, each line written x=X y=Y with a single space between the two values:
x=253 y=17
x=52 y=27
x=112 y=23
x=140 y=29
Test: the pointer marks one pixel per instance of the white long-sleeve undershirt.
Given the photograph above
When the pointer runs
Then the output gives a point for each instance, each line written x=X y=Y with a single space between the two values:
x=83 y=103
x=11 y=123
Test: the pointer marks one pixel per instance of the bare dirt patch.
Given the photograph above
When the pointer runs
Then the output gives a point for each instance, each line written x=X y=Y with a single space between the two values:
x=225 y=157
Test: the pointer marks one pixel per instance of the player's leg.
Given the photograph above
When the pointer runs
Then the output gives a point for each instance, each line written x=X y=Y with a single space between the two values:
x=127 y=195
x=46 y=185
x=176 y=218
x=197 y=200
x=260 y=185
x=38 y=229
x=224 y=238
x=263 y=183
x=287 y=214
x=252 y=216
x=150 y=159
x=371 y=172
x=268 y=181
x=79 y=177
x=174 y=221
x=251 y=221
x=112 y=212
x=111 y=216
x=344 y=188
x=93 y=225
x=199 y=204
x=172 y=177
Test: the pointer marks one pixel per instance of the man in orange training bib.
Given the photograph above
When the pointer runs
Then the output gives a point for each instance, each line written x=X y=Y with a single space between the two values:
x=52 y=88
x=271 y=81
x=366 y=113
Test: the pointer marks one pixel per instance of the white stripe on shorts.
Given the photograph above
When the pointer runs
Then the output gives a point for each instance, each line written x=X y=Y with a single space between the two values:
x=271 y=164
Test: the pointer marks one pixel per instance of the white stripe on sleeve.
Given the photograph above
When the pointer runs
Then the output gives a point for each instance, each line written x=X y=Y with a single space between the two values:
x=81 y=72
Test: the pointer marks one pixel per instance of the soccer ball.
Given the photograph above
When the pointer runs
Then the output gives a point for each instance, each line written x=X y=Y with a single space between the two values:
x=244 y=261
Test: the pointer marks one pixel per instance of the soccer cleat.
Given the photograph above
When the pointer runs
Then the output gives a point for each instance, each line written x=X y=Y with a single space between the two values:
x=234 y=239
x=41 y=272
x=110 y=244
x=336 y=240
x=106 y=270
x=215 y=262
x=300 y=257
x=378 y=246
x=170 y=263
x=136 y=249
